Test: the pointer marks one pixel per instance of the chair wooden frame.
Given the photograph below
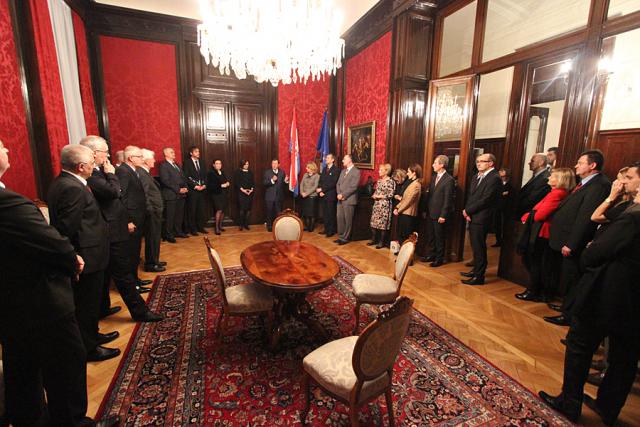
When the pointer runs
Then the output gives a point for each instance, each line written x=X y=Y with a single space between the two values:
x=225 y=305
x=284 y=214
x=401 y=307
x=413 y=238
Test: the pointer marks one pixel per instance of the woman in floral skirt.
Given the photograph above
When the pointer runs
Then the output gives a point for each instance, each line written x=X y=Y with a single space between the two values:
x=381 y=215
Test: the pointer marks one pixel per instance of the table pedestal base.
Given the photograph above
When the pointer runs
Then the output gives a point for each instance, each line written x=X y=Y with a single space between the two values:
x=294 y=306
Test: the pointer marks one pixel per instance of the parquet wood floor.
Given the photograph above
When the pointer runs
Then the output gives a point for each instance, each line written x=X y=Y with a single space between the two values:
x=509 y=333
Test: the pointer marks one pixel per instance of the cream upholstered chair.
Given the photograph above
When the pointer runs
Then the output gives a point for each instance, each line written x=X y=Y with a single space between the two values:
x=377 y=289
x=356 y=370
x=287 y=226
x=241 y=300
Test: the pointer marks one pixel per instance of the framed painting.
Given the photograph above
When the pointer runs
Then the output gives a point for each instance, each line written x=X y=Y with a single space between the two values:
x=361 y=144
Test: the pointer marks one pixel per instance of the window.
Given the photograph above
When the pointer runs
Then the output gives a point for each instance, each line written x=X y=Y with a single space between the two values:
x=493 y=104
x=622 y=7
x=457 y=40
x=514 y=25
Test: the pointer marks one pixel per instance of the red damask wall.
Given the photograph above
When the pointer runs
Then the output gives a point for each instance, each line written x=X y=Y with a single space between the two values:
x=13 y=126
x=51 y=87
x=84 y=74
x=141 y=93
x=310 y=101
x=367 y=94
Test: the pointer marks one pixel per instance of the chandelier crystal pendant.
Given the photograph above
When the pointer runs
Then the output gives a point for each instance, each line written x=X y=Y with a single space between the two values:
x=272 y=40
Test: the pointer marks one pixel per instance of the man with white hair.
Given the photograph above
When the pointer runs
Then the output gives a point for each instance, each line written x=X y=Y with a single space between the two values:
x=106 y=189
x=174 y=193
x=155 y=207
x=135 y=202
x=75 y=213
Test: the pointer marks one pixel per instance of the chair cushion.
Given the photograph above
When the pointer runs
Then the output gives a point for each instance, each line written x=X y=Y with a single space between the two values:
x=374 y=288
x=249 y=298
x=287 y=228
x=331 y=367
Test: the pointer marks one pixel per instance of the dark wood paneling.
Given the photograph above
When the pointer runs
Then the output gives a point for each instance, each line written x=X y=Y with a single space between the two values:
x=620 y=148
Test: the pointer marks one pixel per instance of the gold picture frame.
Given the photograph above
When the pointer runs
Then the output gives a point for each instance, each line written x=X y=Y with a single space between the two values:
x=361 y=144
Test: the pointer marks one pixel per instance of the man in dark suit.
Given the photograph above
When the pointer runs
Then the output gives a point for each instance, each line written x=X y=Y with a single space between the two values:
x=41 y=343
x=440 y=207
x=174 y=192
x=274 y=181
x=503 y=203
x=572 y=228
x=478 y=211
x=106 y=188
x=155 y=207
x=328 y=196
x=536 y=187
x=196 y=176
x=347 y=195
x=135 y=203
x=75 y=213
x=607 y=304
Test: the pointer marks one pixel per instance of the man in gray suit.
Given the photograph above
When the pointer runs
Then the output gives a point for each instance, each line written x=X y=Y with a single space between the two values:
x=347 y=189
x=155 y=206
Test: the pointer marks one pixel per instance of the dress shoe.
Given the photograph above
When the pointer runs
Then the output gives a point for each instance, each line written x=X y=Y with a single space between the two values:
x=170 y=240
x=194 y=233
x=246 y=227
x=203 y=231
x=429 y=258
x=331 y=234
x=182 y=235
x=222 y=229
x=496 y=245
x=148 y=316
x=102 y=353
x=322 y=232
x=469 y=264
x=467 y=273
x=380 y=245
x=596 y=378
x=560 y=320
x=555 y=307
x=155 y=268
x=107 y=338
x=474 y=281
x=108 y=422
x=112 y=310
x=528 y=296
x=343 y=242
x=556 y=403
x=162 y=263
x=144 y=282
x=337 y=241
x=436 y=263
x=372 y=243
x=142 y=289
x=599 y=365
x=593 y=405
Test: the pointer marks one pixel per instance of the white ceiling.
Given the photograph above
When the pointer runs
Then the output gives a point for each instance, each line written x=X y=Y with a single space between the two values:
x=351 y=10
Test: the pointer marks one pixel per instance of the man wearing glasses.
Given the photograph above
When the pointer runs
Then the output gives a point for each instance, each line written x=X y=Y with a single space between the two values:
x=484 y=193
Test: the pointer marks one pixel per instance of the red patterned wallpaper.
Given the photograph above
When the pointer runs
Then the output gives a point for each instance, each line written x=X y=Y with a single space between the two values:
x=49 y=73
x=13 y=126
x=310 y=101
x=367 y=94
x=84 y=73
x=141 y=93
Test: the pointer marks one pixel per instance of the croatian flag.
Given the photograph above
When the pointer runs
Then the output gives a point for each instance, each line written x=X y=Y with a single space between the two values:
x=323 y=140
x=294 y=166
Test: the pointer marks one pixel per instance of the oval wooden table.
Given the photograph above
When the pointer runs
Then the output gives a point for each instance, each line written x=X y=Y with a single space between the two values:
x=291 y=269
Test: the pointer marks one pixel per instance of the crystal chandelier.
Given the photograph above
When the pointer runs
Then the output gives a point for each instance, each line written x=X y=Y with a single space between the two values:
x=449 y=115
x=272 y=40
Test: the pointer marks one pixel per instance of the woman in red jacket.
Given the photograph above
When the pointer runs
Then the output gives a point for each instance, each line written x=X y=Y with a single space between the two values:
x=539 y=258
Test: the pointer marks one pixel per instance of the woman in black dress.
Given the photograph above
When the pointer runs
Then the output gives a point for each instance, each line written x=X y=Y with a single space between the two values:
x=218 y=186
x=244 y=185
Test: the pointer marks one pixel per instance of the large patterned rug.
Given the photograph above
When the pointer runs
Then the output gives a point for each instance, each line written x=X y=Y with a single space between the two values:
x=175 y=373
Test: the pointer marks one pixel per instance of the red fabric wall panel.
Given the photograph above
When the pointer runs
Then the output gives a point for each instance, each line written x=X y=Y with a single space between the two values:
x=141 y=93
x=84 y=74
x=367 y=94
x=310 y=101
x=49 y=73
x=13 y=126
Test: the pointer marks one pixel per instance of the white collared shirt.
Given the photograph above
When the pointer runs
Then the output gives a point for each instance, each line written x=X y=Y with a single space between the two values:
x=2 y=185
x=78 y=177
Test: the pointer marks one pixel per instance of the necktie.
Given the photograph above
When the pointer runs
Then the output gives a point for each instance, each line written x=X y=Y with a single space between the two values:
x=577 y=188
x=175 y=165
x=437 y=179
x=197 y=166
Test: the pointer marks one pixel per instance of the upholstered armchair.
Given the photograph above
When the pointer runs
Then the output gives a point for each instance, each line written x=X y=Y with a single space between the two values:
x=241 y=300
x=377 y=289
x=356 y=370
x=287 y=226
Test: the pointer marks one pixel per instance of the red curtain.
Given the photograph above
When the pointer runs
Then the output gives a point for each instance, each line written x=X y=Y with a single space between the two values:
x=84 y=74
x=141 y=93
x=367 y=94
x=51 y=87
x=13 y=126
x=310 y=101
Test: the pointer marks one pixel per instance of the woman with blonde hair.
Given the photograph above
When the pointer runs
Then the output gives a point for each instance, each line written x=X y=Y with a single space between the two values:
x=542 y=262
x=381 y=216
x=309 y=195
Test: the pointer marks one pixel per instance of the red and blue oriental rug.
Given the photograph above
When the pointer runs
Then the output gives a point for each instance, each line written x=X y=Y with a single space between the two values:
x=175 y=373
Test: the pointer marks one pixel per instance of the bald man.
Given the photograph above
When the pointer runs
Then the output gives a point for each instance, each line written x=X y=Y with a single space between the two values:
x=536 y=188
